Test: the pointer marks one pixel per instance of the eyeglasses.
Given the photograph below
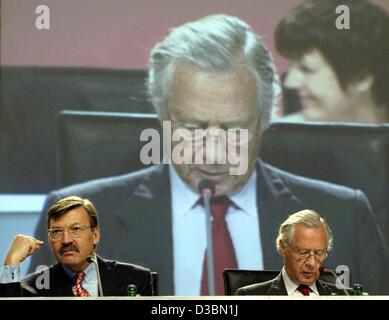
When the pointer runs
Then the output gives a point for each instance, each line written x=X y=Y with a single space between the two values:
x=304 y=254
x=75 y=232
x=232 y=135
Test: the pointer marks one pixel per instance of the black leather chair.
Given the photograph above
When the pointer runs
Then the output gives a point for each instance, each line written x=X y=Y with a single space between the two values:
x=99 y=144
x=236 y=278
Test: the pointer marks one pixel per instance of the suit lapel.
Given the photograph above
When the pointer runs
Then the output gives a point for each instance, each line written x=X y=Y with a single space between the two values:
x=149 y=228
x=107 y=282
x=277 y=287
x=275 y=203
x=326 y=289
x=321 y=289
x=111 y=281
x=60 y=283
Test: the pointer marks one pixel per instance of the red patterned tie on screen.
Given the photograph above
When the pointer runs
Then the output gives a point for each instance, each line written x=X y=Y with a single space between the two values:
x=304 y=289
x=78 y=289
x=223 y=250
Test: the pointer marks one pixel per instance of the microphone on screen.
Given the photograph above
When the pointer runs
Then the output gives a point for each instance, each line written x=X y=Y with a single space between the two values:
x=207 y=190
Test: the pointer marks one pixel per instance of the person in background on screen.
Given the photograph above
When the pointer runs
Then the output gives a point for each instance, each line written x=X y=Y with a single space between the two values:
x=341 y=75
x=73 y=234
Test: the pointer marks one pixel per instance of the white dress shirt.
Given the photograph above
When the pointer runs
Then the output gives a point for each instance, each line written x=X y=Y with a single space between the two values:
x=90 y=281
x=291 y=286
x=189 y=232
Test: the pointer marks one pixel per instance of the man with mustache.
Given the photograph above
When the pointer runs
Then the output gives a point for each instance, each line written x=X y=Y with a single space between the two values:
x=304 y=241
x=216 y=75
x=73 y=234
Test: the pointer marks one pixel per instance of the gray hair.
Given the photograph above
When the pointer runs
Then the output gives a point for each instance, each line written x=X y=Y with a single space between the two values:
x=306 y=217
x=213 y=43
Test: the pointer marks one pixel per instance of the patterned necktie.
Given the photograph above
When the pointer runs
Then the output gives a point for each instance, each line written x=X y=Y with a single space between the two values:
x=78 y=289
x=304 y=289
x=223 y=250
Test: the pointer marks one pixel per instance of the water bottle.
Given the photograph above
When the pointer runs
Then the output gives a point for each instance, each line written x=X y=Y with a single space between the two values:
x=132 y=291
x=357 y=290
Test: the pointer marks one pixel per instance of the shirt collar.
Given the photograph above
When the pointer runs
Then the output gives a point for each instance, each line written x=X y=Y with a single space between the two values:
x=183 y=197
x=245 y=199
x=291 y=286
x=89 y=271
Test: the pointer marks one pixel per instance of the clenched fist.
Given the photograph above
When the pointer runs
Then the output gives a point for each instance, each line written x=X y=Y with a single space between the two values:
x=22 y=247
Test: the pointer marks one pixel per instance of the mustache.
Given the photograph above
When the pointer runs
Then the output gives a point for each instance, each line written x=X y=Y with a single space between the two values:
x=68 y=247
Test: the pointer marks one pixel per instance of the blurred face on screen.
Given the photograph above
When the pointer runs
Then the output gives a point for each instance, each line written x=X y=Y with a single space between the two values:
x=322 y=97
x=306 y=254
x=213 y=101
x=72 y=239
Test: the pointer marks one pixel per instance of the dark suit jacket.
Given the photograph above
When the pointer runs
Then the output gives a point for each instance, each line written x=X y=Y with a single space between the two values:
x=136 y=221
x=276 y=287
x=115 y=276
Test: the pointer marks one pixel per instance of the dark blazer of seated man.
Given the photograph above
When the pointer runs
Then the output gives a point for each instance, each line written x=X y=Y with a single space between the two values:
x=73 y=235
x=304 y=240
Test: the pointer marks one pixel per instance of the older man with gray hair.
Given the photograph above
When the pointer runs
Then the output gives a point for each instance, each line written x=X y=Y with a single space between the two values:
x=304 y=240
x=216 y=75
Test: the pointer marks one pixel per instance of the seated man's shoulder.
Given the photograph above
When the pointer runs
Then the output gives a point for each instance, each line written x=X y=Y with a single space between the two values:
x=40 y=271
x=332 y=289
x=125 y=267
x=255 y=289
x=129 y=274
x=31 y=282
x=128 y=271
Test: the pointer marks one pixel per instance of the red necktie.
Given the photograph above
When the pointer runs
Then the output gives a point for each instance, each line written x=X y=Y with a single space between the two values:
x=304 y=289
x=78 y=289
x=223 y=250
